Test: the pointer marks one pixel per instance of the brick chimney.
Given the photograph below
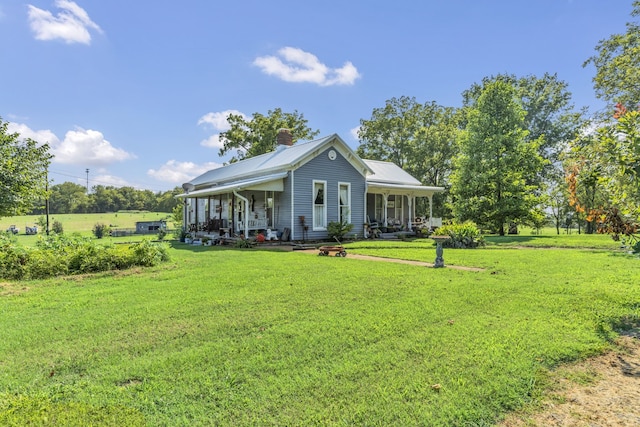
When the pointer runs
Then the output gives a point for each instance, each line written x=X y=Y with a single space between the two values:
x=284 y=137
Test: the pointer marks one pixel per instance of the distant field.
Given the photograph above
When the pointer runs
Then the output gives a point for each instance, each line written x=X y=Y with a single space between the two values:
x=82 y=223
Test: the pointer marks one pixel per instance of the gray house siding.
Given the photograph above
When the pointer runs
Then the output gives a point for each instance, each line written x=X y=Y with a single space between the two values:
x=282 y=205
x=336 y=171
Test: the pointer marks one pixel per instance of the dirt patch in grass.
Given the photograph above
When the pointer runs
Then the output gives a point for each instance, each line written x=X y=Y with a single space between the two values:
x=7 y=289
x=601 y=391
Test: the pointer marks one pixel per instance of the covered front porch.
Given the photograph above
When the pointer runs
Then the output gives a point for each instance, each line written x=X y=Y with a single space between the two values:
x=233 y=209
x=392 y=208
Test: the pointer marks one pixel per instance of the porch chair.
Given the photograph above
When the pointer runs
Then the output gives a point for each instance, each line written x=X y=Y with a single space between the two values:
x=373 y=227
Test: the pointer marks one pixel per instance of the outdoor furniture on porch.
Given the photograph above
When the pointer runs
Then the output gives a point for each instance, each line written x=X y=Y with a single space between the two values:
x=372 y=228
x=254 y=224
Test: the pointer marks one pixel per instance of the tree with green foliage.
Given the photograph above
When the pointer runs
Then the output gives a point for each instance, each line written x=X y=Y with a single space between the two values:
x=23 y=172
x=617 y=78
x=558 y=203
x=583 y=173
x=608 y=163
x=420 y=138
x=257 y=135
x=67 y=198
x=494 y=171
x=550 y=114
x=166 y=201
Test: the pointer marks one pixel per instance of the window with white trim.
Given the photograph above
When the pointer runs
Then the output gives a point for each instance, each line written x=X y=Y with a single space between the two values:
x=344 y=202
x=319 y=205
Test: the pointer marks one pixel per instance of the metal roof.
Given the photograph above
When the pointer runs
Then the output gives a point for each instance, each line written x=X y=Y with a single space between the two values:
x=389 y=172
x=236 y=186
x=389 y=176
x=283 y=158
x=380 y=176
x=416 y=190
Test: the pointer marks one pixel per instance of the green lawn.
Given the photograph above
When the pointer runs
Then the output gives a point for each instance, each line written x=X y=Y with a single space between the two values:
x=249 y=337
x=83 y=224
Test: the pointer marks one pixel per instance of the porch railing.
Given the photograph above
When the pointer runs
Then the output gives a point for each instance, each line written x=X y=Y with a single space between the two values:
x=254 y=224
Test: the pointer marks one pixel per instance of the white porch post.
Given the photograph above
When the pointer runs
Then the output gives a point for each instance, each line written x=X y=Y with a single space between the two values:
x=292 y=236
x=246 y=213
x=410 y=203
x=430 y=211
x=185 y=213
x=365 y=234
x=385 y=197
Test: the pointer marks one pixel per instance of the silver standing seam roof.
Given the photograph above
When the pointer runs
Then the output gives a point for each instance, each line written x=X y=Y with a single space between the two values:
x=269 y=166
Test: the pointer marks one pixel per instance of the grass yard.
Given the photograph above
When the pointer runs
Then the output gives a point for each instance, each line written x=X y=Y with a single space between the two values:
x=248 y=337
x=83 y=223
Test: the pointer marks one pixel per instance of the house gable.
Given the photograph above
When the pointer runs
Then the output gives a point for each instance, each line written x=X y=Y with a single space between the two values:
x=332 y=169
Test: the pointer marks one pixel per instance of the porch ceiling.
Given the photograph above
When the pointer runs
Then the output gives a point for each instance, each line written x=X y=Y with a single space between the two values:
x=403 y=189
x=272 y=182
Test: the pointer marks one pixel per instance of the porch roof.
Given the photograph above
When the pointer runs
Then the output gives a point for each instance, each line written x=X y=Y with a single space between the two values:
x=388 y=178
x=403 y=189
x=273 y=182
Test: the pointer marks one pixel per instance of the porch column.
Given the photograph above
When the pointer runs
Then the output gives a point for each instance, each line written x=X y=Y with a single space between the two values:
x=185 y=215
x=366 y=214
x=385 y=199
x=430 y=212
x=246 y=213
x=410 y=203
x=196 y=217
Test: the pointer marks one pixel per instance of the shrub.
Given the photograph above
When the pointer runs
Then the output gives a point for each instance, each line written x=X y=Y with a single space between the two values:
x=46 y=263
x=57 y=255
x=42 y=222
x=162 y=233
x=148 y=254
x=181 y=234
x=13 y=258
x=338 y=229
x=99 y=230
x=464 y=235
x=61 y=242
x=57 y=227
x=242 y=243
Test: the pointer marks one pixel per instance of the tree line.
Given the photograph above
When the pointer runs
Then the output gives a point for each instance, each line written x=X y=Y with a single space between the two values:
x=69 y=197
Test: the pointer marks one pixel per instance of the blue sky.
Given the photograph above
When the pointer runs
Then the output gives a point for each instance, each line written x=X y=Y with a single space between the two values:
x=137 y=91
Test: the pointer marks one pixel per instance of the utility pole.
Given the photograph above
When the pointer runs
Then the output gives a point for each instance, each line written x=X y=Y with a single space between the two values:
x=87 y=180
x=46 y=184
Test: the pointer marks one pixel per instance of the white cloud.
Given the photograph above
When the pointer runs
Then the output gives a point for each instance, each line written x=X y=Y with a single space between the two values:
x=79 y=147
x=354 y=133
x=297 y=66
x=219 y=122
x=180 y=172
x=212 y=142
x=42 y=136
x=71 y=24
x=88 y=147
